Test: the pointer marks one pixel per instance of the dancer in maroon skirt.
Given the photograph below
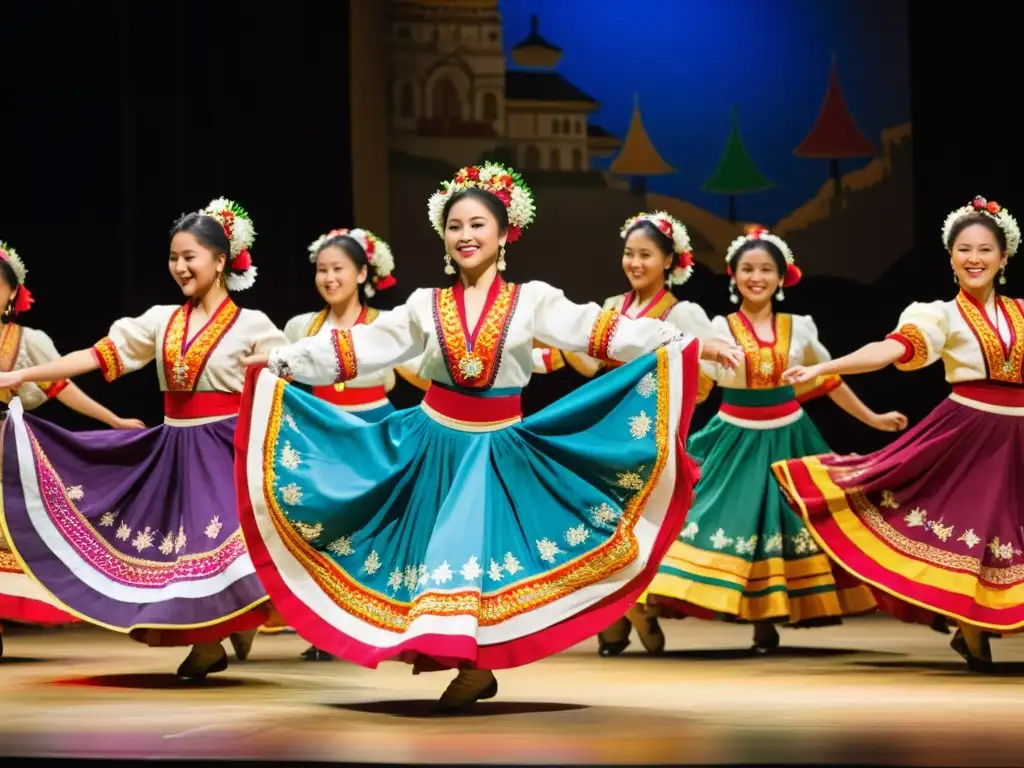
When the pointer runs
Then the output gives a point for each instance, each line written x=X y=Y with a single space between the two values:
x=933 y=521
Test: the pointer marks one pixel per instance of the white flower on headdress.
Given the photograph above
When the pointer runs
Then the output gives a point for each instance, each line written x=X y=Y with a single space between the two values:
x=11 y=256
x=504 y=183
x=676 y=231
x=378 y=254
x=241 y=235
x=993 y=210
x=760 y=233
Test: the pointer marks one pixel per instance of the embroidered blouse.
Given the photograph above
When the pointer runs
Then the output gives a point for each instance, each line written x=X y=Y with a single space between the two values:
x=313 y=323
x=210 y=362
x=21 y=348
x=499 y=352
x=764 y=361
x=972 y=345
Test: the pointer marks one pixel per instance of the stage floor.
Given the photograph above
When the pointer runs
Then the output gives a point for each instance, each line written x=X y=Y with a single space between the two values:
x=872 y=692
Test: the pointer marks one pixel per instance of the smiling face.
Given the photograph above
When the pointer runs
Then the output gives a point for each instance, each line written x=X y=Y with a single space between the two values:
x=757 y=276
x=194 y=266
x=472 y=235
x=8 y=288
x=337 y=277
x=644 y=262
x=976 y=257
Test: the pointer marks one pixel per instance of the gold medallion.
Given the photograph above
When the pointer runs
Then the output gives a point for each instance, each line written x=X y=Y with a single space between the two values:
x=471 y=366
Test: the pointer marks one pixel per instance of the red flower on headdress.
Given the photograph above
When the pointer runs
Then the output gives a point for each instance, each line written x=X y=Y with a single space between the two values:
x=242 y=261
x=664 y=226
x=793 y=276
x=23 y=301
x=685 y=259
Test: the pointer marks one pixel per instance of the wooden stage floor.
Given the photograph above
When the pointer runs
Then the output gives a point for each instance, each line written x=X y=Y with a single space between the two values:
x=872 y=692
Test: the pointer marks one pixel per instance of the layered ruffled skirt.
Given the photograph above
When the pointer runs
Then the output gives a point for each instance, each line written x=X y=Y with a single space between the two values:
x=456 y=530
x=743 y=552
x=133 y=530
x=934 y=520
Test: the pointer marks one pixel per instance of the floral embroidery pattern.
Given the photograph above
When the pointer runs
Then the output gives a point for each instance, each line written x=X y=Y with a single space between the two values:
x=478 y=370
x=640 y=425
x=765 y=363
x=1003 y=365
x=602 y=333
x=346 y=366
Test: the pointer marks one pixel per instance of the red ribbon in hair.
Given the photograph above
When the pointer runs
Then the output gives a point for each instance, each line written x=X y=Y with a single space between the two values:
x=385 y=282
x=793 y=276
x=686 y=259
x=23 y=301
x=242 y=261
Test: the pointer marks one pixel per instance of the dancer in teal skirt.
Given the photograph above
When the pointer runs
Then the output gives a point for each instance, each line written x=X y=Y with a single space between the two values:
x=458 y=534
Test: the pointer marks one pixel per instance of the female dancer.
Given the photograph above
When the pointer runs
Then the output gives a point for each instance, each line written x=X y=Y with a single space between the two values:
x=457 y=535
x=138 y=531
x=656 y=255
x=21 y=599
x=743 y=553
x=351 y=266
x=932 y=520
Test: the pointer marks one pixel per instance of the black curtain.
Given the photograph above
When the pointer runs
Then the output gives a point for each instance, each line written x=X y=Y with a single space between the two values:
x=119 y=117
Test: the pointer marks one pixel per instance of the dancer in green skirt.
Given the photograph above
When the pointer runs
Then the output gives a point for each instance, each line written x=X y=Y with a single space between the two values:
x=743 y=553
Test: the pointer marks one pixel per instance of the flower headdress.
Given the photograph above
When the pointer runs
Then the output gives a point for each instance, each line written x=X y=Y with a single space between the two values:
x=24 y=299
x=238 y=227
x=991 y=209
x=753 y=234
x=382 y=262
x=672 y=228
x=504 y=183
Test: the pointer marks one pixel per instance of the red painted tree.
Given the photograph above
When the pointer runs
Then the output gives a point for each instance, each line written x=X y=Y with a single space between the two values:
x=835 y=135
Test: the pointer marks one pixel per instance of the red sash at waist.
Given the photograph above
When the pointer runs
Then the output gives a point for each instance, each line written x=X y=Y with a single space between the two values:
x=759 y=412
x=991 y=394
x=201 y=405
x=351 y=395
x=483 y=408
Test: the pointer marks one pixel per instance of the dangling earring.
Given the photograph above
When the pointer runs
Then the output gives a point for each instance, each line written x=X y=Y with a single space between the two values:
x=8 y=312
x=956 y=280
x=501 y=257
x=1002 y=276
x=780 y=295
x=732 y=291
x=448 y=268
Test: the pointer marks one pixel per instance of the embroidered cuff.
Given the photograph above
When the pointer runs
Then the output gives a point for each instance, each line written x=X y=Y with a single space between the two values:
x=915 y=347
x=819 y=387
x=602 y=333
x=52 y=389
x=344 y=356
x=106 y=354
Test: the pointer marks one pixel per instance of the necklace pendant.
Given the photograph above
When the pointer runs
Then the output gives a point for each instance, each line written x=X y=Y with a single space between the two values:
x=1007 y=367
x=180 y=373
x=471 y=366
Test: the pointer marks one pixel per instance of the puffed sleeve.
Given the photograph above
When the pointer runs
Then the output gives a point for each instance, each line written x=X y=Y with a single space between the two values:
x=131 y=343
x=295 y=328
x=922 y=330
x=265 y=335
x=331 y=358
x=690 y=318
x=603 y=334
x=814 y=352
x=39 y=349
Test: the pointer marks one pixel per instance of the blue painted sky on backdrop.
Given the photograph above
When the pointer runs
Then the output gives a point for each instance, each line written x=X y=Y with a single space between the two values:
x=690 y=61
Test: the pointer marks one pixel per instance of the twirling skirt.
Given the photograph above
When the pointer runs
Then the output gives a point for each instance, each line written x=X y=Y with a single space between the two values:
x=456 y=530
x=935 y=520
x=133 y=530
x=743 y=552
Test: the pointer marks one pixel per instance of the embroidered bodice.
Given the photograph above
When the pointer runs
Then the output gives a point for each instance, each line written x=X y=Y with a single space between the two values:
x=21 y=348
x=973 y=343
x=498 y=353
x=210 y=362
x=795 y=342
x=684 y=315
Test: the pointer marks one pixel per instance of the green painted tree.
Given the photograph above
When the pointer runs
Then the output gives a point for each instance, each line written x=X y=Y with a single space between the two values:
x=736 y=173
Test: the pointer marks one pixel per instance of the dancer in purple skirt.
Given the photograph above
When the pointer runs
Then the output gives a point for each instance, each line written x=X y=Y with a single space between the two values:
x=138 y=531
x=933 y=522
x=21 y=599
